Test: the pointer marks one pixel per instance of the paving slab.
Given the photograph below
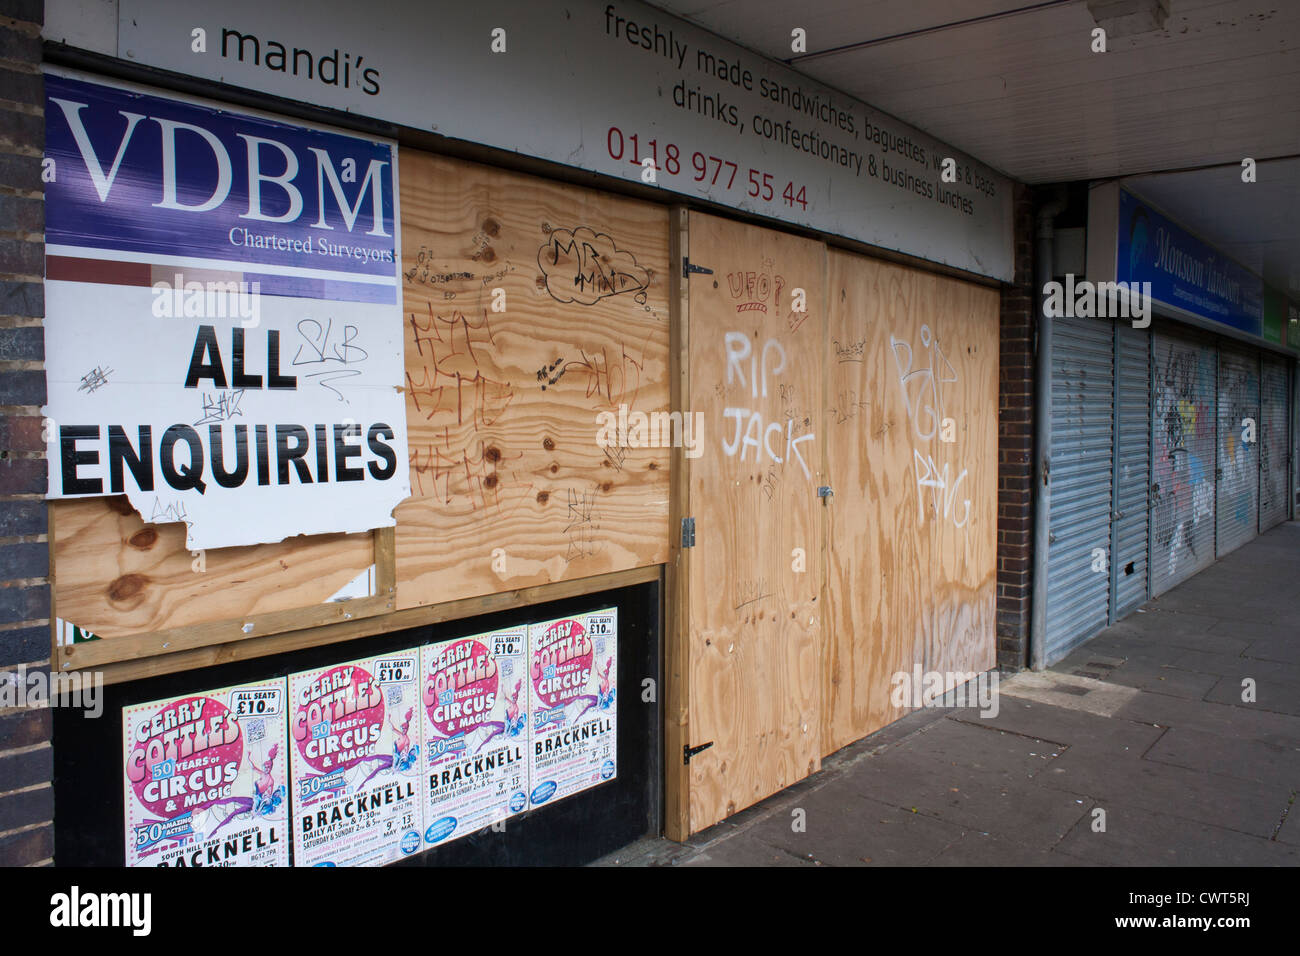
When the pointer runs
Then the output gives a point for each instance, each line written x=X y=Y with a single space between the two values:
x=984 y=849
x=1137 y=837
x=1108 y=646
x=1206 y=797
x=1229 y=665
x=1205 y=602
x=979 y=746
x=1214 y=753
x=1284 y=650
x=1009 y=804
x=1256 y=631
x=744 y=853
x=840 y=828
x=1074 y=729
x=1189 y=631
x=1164 y=679
x=1070 y=691
x=1270 y=693
x=1212 y=718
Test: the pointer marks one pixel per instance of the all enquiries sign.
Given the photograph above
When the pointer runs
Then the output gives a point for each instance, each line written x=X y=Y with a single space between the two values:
x=223 y=317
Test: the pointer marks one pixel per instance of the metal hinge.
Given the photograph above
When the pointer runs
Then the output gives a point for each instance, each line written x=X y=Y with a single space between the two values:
x=688 y=532
x=825 y=491
x=688 y=267
x=688 y=751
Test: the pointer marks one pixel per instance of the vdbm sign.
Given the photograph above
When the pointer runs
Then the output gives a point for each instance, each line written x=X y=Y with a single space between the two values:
x=223 y=322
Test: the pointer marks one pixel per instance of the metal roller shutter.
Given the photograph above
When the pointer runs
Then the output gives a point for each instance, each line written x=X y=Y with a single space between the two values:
x=1237 y=509
x=1132 y=472
x=1183 y=391
x=1274 y=430
x=1079 y=516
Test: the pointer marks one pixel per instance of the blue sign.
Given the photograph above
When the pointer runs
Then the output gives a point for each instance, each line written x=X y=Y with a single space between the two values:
x=410 y=842
x=440 y=829
x=1185 y=272
x=543 y=792
x=155 y=176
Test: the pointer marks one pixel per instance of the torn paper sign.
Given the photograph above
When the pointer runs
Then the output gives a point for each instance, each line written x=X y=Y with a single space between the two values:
x=223 y=323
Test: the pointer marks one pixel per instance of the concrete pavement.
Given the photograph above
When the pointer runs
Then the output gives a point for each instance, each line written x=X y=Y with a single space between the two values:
x=1146 y=723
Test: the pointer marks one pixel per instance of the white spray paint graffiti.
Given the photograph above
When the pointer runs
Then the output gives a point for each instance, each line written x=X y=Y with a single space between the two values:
x=750 y=430
x=941 y=493
x=925 y=412
x=930 y=382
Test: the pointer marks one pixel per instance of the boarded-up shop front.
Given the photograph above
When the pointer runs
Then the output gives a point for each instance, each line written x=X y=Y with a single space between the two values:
x=653 y=507
x=523 y=569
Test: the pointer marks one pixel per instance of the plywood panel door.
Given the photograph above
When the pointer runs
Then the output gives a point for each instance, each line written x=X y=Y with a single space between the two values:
x=883 y=411
x=755 y=571
x=963 y=496
x=911 y=452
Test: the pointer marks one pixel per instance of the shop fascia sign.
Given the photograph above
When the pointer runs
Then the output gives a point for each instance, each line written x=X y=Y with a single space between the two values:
x=1185 y=274
x=621 y=89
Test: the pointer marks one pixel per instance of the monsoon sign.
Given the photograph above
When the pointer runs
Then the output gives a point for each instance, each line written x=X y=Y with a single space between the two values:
x=1185 y=273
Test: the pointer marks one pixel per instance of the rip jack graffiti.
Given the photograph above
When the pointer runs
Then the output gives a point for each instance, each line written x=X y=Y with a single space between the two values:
x=750 y=431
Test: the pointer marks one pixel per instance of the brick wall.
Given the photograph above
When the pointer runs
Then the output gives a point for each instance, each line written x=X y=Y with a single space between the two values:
x=1016 y=443
x=26 y=758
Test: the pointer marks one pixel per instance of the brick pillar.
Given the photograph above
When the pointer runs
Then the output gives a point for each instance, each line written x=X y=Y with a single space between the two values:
x=1016 y=443
x=26 y=757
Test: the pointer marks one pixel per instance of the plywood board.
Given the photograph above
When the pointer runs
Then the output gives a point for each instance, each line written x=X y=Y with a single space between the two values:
x=116 y=575
x=912 y=456
x=882 y=410
x=531 y=308
x=962 y=635
x=756 y=379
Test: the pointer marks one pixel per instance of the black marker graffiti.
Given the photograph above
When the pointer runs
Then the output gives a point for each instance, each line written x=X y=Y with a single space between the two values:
x=584 y=266
x=95 y=379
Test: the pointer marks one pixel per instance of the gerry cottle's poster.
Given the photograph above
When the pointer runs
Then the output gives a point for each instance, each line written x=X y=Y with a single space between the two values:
x=355 y=765
x=475 y=732
x=205 y=778
x=573 y=675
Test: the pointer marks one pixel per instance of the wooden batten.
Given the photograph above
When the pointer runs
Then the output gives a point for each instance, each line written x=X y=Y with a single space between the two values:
x=213 y=654
x=677 y=663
